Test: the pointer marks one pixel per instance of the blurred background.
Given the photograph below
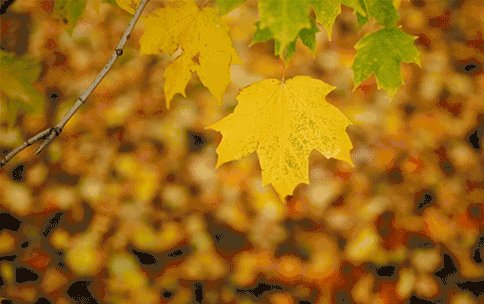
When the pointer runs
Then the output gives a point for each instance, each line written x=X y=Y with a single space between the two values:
x=126 y=205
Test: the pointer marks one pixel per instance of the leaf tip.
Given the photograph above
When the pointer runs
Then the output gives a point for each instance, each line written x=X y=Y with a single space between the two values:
x=219 y=162
x=392 y=91
x=355 y=87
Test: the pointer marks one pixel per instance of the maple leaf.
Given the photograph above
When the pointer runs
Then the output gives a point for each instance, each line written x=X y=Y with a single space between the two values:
x=307 y=35
x=283 y=122
x=203 y=39
x=128 y=5
x=287 y=20
x=327 y=10
x=381 y=53
x=384 y=11
x=16 y=90
x=284 y=19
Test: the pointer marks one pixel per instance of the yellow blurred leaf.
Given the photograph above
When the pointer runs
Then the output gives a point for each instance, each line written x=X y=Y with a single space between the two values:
x=124 y=267
x=84 y=257
x=364 y=245
x=7 y=242
x=7 y=272
x=405 y=282
x=143 y=237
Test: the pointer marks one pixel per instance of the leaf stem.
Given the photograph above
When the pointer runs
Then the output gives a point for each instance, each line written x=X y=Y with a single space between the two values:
x=205 y=3
x=283 y=70
x=50 y=134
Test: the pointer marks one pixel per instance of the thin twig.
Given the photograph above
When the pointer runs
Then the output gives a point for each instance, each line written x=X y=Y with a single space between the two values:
x=50 y=134
x=28 y=142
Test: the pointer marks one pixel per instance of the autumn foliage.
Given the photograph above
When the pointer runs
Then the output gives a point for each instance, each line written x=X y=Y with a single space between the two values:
x=238 y=154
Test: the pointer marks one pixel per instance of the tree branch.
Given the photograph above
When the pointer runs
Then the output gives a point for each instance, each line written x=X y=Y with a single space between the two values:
x=50 y=134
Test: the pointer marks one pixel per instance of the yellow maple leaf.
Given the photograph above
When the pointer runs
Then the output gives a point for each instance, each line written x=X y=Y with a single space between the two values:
x=128 y=5
x=203 y=39
x=283 y=122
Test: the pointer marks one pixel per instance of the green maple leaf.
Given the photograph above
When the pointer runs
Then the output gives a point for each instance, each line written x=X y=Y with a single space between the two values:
x=307 y=36
x=261 y=34
x=287 y=20
x=382 y=10
x=381 y=53
x=284 y=19
x=327 y=10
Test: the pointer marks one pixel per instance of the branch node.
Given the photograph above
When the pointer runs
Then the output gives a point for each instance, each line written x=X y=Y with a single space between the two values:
x=57 y=131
